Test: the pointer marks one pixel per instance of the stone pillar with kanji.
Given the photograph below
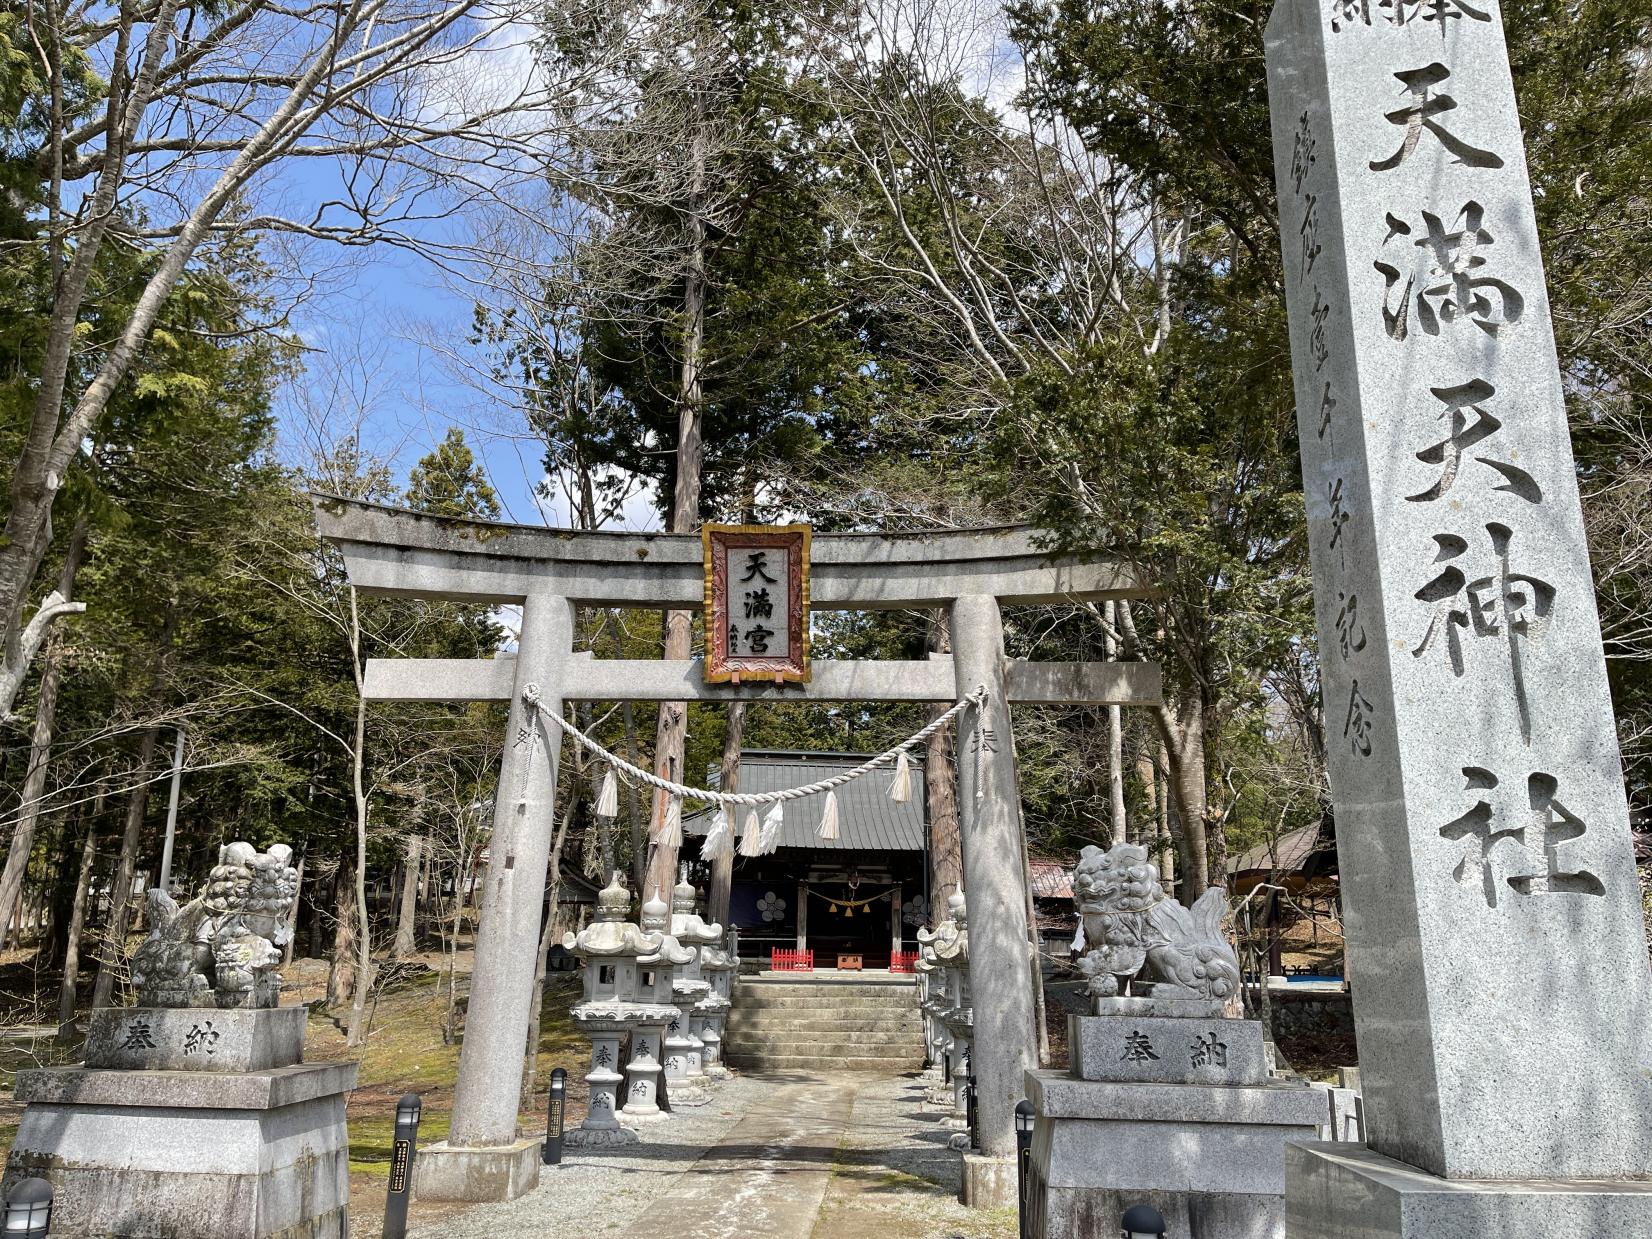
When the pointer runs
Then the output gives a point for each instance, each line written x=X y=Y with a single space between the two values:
x=1496 y=952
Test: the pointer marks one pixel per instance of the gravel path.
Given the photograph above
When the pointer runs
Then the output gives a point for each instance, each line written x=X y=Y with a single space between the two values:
x=600 y=1191
x=772 y=1157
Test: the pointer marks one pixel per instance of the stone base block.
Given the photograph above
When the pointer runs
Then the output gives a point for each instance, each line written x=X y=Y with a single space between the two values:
x=443 y=1171
x=188 y=1155
x=600 y=1137
x=1211 y=1159
x=682 y=1093
x=195 y=1038
x=1166 y=1049
x=1347 y=1191
x=989 y=1182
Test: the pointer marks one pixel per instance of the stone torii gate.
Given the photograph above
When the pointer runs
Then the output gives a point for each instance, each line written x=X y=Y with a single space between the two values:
x=550 y=572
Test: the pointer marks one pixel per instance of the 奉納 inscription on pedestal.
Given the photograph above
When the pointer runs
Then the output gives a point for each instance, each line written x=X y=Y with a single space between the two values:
x=1495 y=942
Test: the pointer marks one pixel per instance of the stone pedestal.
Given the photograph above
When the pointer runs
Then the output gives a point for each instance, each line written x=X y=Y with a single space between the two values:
x=1347 y=1191
x=187 y=1154
x=1189 y=1123
x=683 y=1050
x=195 y=1038
x=601 y=1125
x=989 y=1182
x=642 y=1075
x=443 y=1171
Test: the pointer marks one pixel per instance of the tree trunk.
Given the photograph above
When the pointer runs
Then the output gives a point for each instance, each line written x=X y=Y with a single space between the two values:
x=77 y=924
x=547 y=936
x=407 y=914
x=946 y=857
x=34 y=793
x=356 y=1034
x=1115 y=740
x=340 y=974
x=1184 y=741
x=113 y=955
x=672 y=728
x=1147 y=831
x=718 y=898
x=71 y=836
x=639 y=845
x=292 y=913
x=40 y=749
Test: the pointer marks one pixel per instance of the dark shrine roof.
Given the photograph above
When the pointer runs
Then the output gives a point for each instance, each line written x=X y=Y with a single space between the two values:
x=868 y=821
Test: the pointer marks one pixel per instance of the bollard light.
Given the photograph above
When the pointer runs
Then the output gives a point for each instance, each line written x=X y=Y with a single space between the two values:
x=551 y=1154
x=28 y=1209
x=401 y=1166
x=1023 y=1163
x=1142 y=1222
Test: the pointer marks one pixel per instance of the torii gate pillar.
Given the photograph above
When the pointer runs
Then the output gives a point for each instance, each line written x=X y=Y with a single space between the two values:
x=482 y=1158
x=1004 y=1047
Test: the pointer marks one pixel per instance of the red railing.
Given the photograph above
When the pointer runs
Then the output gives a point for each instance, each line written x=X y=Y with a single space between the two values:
x=903 y=961
x=792 y=961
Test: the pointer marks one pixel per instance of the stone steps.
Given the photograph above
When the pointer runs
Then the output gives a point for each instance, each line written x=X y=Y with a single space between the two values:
x=883 y=1065
x=847 y=1045
x=894 y=1026
x=824 y=1026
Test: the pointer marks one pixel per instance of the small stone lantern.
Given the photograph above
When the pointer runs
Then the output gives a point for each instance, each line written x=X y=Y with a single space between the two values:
x=931 y=986
x=718 y=967
x=952 y=953
x=657 y=973
x=684 y=1073
x=609 y=948
x=706 y=941
x=938 y=1000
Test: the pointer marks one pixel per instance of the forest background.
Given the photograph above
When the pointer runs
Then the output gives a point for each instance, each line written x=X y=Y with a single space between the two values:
x=730 y=261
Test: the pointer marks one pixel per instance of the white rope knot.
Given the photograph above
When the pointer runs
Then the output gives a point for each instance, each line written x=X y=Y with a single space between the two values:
x=530 y=696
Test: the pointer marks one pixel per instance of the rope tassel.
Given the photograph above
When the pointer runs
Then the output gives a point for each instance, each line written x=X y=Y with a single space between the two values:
x=719 y=840
x=750 y=844
x=828 y=817
x=772 y=821
x=671 y=832
x=608 y=797
x=900 y=791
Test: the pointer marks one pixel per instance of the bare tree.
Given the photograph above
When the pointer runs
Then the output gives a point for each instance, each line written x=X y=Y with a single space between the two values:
x=199 y=109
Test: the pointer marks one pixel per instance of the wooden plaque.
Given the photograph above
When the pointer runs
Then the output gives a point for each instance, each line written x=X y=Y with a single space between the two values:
x=757 y=603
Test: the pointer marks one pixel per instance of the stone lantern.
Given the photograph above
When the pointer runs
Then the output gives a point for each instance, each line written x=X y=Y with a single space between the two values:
x=609 y=948
x=684 y=1046
x=657 y=974
x=952 y=953
x=711 y=962
x=931 y=991
x=937 y=1000
x=718 y=967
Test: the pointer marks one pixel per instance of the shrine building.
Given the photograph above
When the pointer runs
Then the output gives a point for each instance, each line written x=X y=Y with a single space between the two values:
x=862 y=894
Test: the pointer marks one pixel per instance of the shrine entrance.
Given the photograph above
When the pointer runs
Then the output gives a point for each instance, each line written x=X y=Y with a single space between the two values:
x=849 y=928
x=970 y=573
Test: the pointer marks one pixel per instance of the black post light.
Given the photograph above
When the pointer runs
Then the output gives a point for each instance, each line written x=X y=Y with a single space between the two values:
x=401 y=1166
x=1142 y=1222
x=28 y=1210
x=551 y=1155
x=1024 y=1118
